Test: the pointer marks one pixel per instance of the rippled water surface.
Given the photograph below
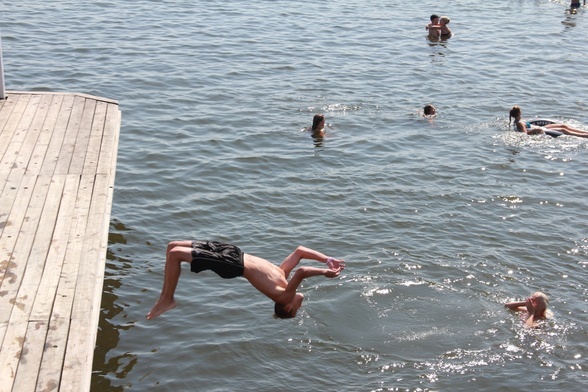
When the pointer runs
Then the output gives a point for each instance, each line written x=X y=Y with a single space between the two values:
x=441 y=221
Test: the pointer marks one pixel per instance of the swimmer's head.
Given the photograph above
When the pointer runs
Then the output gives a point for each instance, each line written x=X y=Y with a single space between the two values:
x=318 y=122
x=288 y=311
x=433 y=17
x=444 y=20
x=539 y=301
x=430 y=110
x=515 y=113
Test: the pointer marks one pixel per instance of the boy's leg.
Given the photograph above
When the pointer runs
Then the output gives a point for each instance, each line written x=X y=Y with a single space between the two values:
x=172 y=245
x=177 y=252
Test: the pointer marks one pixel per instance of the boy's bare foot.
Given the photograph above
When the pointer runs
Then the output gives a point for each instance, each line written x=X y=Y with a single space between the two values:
x=161 y=307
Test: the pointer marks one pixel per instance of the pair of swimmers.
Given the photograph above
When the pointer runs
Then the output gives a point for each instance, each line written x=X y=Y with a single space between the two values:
x=438 y=27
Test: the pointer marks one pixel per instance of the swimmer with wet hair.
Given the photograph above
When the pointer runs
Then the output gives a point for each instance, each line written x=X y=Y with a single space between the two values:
x=429 y=110
x=535 y=306
x=445 y=31
x=318 y=125
x=433 y=32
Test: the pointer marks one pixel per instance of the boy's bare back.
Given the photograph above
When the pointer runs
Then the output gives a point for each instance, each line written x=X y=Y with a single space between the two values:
x=266 y=277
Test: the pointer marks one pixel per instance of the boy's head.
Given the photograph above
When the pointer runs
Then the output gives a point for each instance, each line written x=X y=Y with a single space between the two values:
x=434 y=19
x=430 y=110
x=288 y=310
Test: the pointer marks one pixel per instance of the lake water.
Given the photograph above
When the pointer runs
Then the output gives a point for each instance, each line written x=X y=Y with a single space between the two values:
x=440 y=221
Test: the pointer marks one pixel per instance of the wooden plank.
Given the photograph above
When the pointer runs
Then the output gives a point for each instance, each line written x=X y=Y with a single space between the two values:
x=24 y=238
x=95 y=142
x=24 y=151
x=110 y=142
x=30 y=357
x=34 y=132
x=83 y=138
x=12 y=182
x=15 y=218
x=47 y=289
x=9 y=161
x=26 y=377
x=59 y=129
x=11 y=125
x=26 y=281
x=8 y=106
x=86 y=307
x=71 y=135
x=47 y=131
x=59 y=327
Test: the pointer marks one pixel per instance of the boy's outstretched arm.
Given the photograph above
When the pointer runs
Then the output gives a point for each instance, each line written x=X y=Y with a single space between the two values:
x=303 y=273
x=303 y=252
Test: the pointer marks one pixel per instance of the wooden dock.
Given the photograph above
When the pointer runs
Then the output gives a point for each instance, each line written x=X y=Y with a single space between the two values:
x=57 y=166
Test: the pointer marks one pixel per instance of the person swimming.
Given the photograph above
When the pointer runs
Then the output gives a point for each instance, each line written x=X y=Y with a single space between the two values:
x=429 y=110
x=445 y=31
x=433 y=32
x=530 y=129
x=535 y=306
x=318 y=125
x=576 y=4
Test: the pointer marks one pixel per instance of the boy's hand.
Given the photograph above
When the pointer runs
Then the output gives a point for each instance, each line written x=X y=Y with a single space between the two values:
x=334 y=264
x=333 y=273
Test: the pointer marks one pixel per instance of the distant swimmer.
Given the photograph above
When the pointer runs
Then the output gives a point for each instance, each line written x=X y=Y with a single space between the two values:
x=228 y=261
x=576 y=4
x=433 y=32
x=530 y=129
x=318 y=125
x=430 y=110
x=445 y=31
x=535 y=306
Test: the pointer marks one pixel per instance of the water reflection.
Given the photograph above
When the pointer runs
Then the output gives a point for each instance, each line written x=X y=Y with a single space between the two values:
x=570 y=19
x=438 y=46
x=110 y=325
x=319 y=145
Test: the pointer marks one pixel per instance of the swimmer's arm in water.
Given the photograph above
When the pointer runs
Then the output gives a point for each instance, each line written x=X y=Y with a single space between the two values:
x=516 y=305
x=530 y=322
x=534 y=130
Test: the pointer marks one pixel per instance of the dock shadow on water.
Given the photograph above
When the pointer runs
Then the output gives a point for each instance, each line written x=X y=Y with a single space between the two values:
x=113 y=318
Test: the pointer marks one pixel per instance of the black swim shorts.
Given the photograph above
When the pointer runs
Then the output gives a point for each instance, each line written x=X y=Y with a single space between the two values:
x=224 y=259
